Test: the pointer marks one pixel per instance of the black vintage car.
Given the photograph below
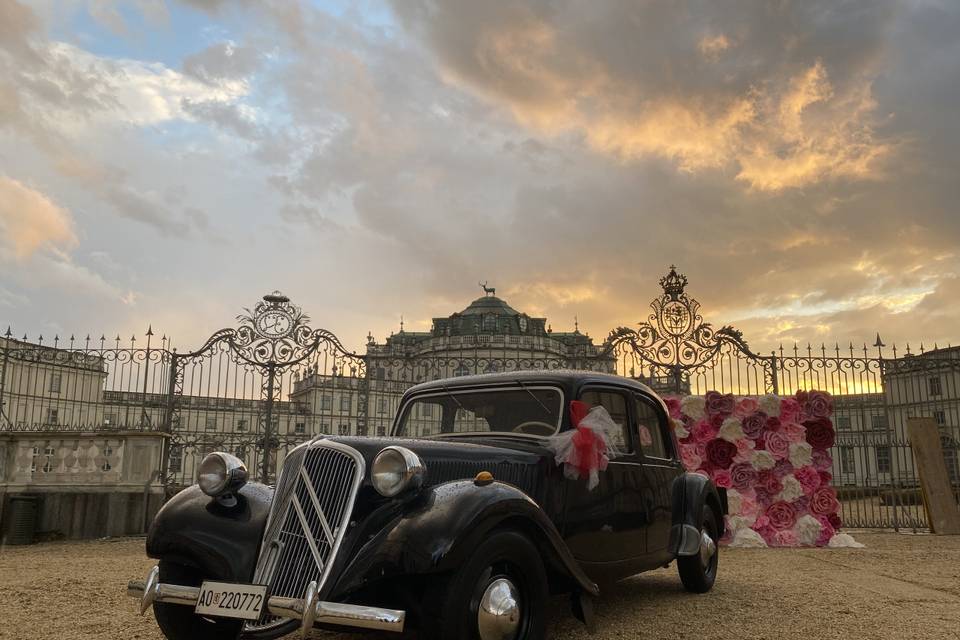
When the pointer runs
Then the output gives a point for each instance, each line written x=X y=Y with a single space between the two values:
x=460 y=524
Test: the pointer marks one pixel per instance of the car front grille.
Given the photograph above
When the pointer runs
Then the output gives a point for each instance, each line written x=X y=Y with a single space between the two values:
x=311 y=511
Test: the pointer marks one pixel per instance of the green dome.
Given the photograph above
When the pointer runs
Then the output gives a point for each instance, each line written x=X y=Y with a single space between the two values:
x=489 y=305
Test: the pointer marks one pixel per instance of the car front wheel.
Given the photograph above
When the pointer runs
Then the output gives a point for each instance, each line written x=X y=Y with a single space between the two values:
x=499 y=594
x=699 y=572
x=179 y=622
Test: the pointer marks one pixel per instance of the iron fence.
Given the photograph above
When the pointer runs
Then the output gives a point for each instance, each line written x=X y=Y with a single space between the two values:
x=271 y=382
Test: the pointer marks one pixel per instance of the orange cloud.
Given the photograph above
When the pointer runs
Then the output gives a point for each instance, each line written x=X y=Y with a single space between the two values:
x=31 y=221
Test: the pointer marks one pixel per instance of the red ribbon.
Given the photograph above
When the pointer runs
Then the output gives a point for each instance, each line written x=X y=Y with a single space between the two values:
x=589 y=448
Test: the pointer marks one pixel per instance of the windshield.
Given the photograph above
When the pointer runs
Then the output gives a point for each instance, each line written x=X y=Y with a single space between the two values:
x=525 y=410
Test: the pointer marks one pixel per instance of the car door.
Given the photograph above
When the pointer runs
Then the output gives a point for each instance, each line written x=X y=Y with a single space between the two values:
x=661 y=466
x=607 y=524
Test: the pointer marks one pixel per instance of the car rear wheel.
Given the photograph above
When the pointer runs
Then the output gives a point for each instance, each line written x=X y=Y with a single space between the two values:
x=499 y=594
x=179 y=622
x=699 y=572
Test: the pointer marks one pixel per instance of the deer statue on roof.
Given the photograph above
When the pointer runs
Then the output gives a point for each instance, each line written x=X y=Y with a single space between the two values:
x=490 y=291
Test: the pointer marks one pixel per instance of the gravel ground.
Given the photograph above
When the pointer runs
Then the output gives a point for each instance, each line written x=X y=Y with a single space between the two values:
x=900 y=586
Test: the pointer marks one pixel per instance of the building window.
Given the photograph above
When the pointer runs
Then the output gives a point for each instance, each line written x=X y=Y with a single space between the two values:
x=55 y=380
x=936 y=389
x=47 y=465
x=843 y=423
x=343 y=429
x=300 y=428
x=345 y=403
x=878 y=421
x=107 y=452
x=489 y=322
x=326 y=403
x=426 y=409
x=846 y=459
x=241 y=425
x=883 y=459
x=211 y=423
x=381 y=405
x=109 y=419
x=53 y=416
x=492 y=367
x=381 y=431
x=461 y=370
x=176 y=458
x=941 y=417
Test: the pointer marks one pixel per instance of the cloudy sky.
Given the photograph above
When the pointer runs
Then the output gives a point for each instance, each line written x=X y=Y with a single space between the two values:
x=168 y=162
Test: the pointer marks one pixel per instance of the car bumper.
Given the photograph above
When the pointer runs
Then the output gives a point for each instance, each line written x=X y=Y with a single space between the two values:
x=309 y=610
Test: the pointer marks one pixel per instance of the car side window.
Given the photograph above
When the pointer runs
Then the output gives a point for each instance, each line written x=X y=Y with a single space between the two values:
x=652 y=431
x=616 y=405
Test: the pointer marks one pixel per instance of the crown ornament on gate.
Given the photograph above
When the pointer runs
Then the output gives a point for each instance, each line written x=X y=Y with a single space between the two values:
x=276 y=333
x=675 y=337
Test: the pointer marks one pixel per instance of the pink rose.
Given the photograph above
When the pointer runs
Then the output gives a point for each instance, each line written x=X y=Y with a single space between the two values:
x=721 y=478
x=743 y=476
x=773 y=423
x=762 y=522
x=770 y=483
x=794 y=432
x=809 y=478
x=673 y=406
x=777 y=444
x=782 y=515
x=789 y=410
x=748 y=506
x=767 y=533
x=688 y=455
x=704 y=432
x=824 y=501
x=782 y=469
x=764 y=499
x=785 y=538
x=754 y=424
x=825 y=477
x=744 y=451
x=835 y=521
x=822 y=460
x=802 y=504
x=746 y=406
x=720 y=404
x=818 y=405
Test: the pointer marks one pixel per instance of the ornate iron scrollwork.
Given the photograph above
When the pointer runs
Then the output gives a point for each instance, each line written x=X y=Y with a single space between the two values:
x=674 y=339
x=277 y=334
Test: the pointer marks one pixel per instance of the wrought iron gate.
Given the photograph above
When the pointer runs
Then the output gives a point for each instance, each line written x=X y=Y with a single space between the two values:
x=241 y=390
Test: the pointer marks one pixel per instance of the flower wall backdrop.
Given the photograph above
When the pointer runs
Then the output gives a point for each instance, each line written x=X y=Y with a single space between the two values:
x=771 y=454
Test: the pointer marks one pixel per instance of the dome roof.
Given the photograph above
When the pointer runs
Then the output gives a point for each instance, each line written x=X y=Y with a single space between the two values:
x=489 y=304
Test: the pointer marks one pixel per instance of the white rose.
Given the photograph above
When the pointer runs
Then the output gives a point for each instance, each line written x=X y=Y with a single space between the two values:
x=801 y=454
x=762 y=460
x=733 y=501
x=732 y=430
x=770 y=404
x=791 y=489
x=736 y=523
x=844 y=540
x=808 y=530
x=693 y=406
x=748 y=539
x=679 y=429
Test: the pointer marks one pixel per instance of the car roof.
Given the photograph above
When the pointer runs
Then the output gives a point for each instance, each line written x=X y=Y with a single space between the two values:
x=565 y=377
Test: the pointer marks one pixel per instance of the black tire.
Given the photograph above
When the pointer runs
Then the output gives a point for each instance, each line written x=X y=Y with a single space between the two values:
x=454 y=603
x=696 y=574
x=179 y=622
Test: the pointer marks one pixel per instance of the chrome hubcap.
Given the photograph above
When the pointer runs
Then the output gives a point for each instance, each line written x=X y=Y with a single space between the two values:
x=707 y=548
x=498 y=616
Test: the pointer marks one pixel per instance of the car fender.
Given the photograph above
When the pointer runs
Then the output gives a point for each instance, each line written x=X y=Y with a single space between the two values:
x=223 y=542
x=439 y=530
x=691 y=492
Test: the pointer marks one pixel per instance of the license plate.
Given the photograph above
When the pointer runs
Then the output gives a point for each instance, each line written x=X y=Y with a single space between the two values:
x=230 y=600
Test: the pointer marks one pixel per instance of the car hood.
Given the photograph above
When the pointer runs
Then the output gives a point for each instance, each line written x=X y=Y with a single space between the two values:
x=520 y=463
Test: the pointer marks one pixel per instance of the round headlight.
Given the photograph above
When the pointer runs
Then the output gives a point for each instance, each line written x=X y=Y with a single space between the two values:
x=396 y=469
x=221 y=473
